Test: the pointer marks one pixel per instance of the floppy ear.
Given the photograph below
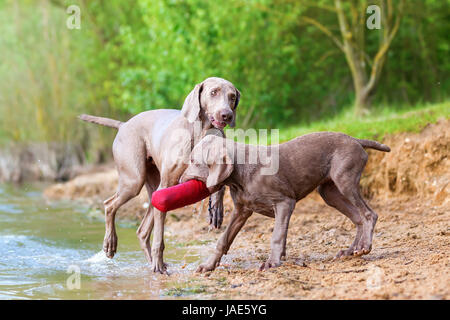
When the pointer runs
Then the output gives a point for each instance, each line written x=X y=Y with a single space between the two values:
x=220 y=164
x=210 y=162
x=191 y=106
x=198 y=165
x=195 y=171
x=238 y=97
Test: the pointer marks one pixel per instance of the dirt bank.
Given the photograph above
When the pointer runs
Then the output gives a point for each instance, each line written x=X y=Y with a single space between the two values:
x=417 y=167
x=408 y=188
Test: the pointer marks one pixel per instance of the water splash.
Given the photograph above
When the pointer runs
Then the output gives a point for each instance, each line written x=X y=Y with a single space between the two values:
x=99 y=257
x=40 y=241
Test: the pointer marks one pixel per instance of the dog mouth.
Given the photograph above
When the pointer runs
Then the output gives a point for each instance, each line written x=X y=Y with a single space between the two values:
x=218 y=124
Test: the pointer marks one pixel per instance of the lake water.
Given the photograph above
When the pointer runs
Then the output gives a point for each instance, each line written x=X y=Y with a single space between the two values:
x=53 y=251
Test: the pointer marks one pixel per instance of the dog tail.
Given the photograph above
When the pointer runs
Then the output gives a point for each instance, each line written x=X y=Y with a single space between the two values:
x=374 y=145
x=100 y=120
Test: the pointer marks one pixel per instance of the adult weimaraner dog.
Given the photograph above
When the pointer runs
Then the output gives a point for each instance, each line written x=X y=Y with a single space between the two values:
x=153 y=149
x=331 y=161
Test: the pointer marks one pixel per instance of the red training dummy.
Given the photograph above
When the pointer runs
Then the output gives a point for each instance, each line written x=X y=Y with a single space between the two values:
x=180 y=195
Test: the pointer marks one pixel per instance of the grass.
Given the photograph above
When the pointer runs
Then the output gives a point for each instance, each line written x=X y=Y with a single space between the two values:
x=182 y=289
x=381 y=121
x=192 y=243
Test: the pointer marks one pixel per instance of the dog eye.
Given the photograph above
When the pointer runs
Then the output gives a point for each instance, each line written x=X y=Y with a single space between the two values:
x=214 y=92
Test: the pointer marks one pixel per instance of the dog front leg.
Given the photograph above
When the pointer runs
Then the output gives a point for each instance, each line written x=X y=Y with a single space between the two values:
x=157 y=249
x=144 y=231
x=215 y=208
x=283 y=212
x=238 y=219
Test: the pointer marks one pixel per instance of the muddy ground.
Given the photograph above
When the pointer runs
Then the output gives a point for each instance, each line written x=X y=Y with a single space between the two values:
x=408 y=188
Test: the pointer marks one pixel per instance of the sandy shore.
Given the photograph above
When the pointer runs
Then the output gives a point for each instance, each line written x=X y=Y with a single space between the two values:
x=408 y=188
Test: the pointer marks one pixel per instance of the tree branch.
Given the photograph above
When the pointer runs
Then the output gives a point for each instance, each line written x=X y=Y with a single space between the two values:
x=56 y=3
x=325 y=56
x=379 y=59
x=320 y=6
x=325 y=30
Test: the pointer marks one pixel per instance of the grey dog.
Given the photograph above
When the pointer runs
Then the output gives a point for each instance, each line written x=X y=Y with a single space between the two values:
x=153 y=149
x=332 y=162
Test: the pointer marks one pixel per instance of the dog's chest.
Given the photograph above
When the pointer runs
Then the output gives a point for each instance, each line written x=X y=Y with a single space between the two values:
x=255 y=202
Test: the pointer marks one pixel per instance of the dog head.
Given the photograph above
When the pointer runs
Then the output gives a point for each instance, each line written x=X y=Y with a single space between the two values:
x=211 y=162
x=216 y=98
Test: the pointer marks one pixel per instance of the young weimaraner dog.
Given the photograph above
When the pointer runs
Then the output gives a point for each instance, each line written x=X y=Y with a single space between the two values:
x=333 y=162
x=153 y=149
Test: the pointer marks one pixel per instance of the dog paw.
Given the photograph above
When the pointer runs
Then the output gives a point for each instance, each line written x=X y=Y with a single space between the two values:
x=342 y=254
x=269 y=264
x=204 y=268
x=208 y=266
x=362 y=250
x=110 y=244
x=353 y=252
x=159 y=267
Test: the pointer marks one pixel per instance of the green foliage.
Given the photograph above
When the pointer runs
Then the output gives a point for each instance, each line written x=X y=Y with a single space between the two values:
x=286 y=69
x=183 y=42
x=418 y=66
x=382 y=121
x=49 y=76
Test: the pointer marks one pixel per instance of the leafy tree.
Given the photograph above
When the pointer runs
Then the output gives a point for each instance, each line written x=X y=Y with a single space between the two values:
x=353 y=42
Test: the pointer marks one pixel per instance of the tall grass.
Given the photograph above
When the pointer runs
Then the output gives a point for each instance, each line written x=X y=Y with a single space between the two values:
x=45 y=78
x=382 y=120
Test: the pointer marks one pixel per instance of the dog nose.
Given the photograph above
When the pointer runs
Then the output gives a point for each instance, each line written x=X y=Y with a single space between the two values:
x=226 y=115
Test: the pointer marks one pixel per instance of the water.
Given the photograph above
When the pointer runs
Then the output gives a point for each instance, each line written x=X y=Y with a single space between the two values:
x=45 y=246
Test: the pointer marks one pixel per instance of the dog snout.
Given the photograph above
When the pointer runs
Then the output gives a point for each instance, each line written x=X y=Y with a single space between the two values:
x=226 y=115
